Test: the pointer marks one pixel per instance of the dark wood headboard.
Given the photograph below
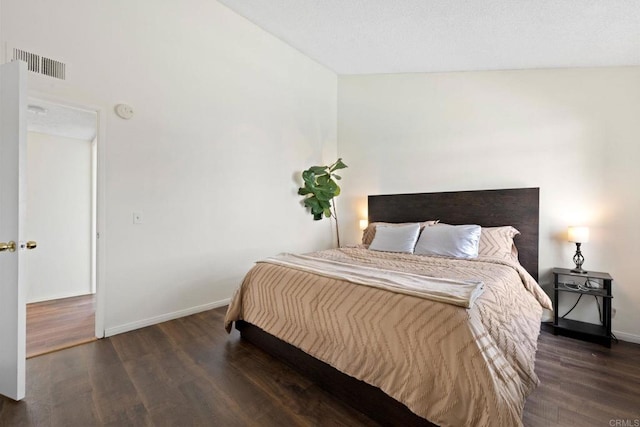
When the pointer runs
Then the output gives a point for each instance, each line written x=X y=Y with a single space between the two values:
x=518 y=207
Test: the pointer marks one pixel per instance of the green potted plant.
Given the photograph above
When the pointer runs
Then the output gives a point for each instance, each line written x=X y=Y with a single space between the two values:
x=320 y=187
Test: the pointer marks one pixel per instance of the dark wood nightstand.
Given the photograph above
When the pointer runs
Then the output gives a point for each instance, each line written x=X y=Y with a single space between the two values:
x=564 y=280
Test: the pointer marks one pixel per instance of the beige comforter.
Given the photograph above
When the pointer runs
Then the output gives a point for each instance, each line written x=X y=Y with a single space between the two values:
x=451 y=291
x=451 y=365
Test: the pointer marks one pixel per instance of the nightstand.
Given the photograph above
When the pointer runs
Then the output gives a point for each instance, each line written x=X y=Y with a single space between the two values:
x=564 y=280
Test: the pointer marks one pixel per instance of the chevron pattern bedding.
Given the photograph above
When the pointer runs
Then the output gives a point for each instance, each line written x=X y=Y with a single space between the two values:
x=450 y=365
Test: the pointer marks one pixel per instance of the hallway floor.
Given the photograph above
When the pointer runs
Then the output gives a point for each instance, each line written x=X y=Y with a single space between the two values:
x=62 y=323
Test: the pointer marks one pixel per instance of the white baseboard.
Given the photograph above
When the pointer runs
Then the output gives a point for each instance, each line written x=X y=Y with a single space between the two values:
x=623 y=336
x=164 y=318
x=61 y=296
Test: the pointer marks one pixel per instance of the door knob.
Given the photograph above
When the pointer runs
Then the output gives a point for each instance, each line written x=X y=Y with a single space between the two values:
x=11 y=246
x=31 y=244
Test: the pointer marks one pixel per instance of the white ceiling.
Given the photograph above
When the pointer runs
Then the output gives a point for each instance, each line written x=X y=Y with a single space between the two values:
x=61 y=120
x=397 y=36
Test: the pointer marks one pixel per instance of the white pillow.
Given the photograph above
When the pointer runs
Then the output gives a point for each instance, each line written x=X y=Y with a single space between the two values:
x=459 y=241
x=395 y=238
x=370 y=232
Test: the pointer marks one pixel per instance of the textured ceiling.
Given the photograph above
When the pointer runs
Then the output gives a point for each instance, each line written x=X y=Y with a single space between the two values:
x=395 y=36
x=61 y=120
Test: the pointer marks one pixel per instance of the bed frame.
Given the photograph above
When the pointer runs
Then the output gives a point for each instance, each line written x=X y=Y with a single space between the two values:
x=517 y=207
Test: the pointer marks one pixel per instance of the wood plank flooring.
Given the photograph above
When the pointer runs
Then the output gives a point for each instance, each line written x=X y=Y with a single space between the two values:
x=61 y=323
x=189 y=372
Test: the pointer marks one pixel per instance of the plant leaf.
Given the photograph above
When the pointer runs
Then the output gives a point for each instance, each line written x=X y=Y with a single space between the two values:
x=312 y=202
x=323 y=180
x=309 y=178
x=318 y=170
x=331 y=187
x=324 y=204
x=338 y=165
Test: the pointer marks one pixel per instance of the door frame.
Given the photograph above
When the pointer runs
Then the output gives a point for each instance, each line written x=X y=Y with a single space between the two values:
x=100 y=214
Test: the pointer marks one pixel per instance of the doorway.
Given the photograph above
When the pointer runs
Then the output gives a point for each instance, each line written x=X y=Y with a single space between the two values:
x=61 y=210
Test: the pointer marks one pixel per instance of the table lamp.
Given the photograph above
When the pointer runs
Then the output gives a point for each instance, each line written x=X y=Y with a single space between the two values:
x=578 y=235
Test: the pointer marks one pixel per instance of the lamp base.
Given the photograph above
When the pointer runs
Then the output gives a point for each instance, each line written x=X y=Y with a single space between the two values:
x=578 y=260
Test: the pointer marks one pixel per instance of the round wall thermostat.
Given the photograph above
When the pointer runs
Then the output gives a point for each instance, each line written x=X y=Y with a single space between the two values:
x=124 y=111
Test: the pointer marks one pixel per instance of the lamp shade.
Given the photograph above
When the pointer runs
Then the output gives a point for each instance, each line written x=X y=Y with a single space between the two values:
x=578 y=234
x=364 y=224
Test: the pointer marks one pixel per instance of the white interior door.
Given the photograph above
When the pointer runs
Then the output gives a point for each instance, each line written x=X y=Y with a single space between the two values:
x=13 y=77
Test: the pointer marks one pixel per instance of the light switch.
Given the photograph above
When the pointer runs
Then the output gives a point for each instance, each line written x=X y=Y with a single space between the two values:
x=138 y=218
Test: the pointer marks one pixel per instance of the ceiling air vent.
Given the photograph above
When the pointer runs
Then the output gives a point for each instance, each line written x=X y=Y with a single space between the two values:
x=40 y=64
x=52 y=68
x=32 y=60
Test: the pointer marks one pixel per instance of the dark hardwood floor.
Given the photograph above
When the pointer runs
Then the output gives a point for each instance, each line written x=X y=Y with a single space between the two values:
x=584 y=384
x=190 y=372
x=61 y=323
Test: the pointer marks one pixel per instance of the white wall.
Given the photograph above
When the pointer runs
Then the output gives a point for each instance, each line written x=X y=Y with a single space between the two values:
x=226 y=115
x=573 y=133
x=59 y=194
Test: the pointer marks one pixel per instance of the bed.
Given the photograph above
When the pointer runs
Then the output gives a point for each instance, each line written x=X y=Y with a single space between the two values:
x=400 y=358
